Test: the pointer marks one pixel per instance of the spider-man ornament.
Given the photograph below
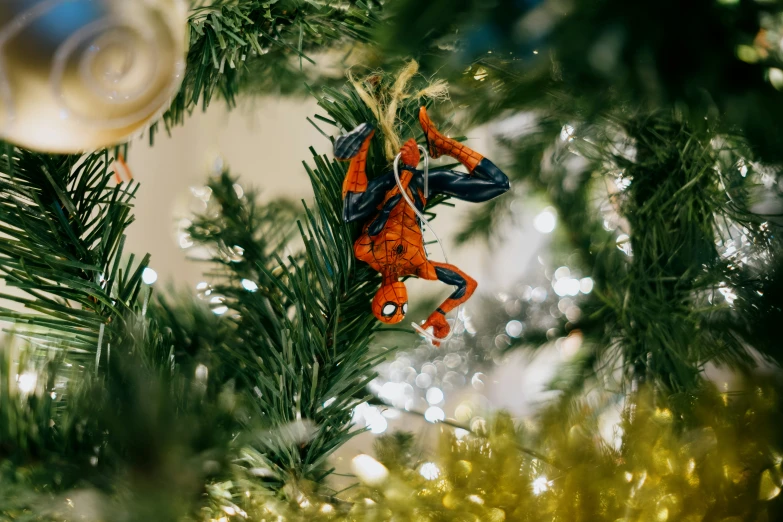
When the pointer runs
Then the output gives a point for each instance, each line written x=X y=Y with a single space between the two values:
x=391 y=242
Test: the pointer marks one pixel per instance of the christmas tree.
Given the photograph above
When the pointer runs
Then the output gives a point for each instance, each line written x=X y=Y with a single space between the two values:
x=646 y=137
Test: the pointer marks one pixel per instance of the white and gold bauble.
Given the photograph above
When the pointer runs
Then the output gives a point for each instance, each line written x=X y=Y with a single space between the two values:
x=81 y=74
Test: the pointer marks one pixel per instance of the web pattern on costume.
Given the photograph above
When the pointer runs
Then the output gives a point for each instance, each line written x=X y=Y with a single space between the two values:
x=398 y=249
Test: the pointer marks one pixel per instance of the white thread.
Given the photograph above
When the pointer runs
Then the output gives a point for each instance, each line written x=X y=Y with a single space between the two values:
x=425 y=222
x=98 y=352
x=427 y=176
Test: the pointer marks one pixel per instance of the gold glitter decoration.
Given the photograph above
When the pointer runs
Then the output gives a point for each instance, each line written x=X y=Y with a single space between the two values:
x=701 y=458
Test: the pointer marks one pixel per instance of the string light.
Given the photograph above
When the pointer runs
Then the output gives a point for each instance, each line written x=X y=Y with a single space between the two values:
x=249 y=285
x=372 y=418
x=429 y=470
x=368 y=470
x=540 y=484
x=586 y=285
x=26 y=382
x=149 y=276
x=217 y=305
x=434 y=414
x=546 y=221
x=434 y=396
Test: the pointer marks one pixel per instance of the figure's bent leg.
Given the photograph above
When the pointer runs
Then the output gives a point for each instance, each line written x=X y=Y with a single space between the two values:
x=465 y=286
x=451 y=275
x=486 y=181
x=489 y=171
x=438 y=144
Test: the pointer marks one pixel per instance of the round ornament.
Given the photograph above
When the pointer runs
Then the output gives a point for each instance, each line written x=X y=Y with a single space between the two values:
x=81 y=74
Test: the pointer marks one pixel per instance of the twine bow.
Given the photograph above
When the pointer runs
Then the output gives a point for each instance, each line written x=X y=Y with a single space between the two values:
x=384 y=103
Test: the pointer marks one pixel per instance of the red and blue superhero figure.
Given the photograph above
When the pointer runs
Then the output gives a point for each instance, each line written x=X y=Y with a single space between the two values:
x=391 y=242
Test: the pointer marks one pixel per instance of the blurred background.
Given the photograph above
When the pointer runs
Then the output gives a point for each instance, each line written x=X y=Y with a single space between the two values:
x=634 y=270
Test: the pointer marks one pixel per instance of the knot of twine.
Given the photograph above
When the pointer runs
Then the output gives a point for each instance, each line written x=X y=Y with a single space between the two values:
x=384 y=103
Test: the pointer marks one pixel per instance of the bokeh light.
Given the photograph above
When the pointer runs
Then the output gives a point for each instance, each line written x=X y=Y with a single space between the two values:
x=249 y=285
x=434 y=414
x=429 y=470
x=546 y=221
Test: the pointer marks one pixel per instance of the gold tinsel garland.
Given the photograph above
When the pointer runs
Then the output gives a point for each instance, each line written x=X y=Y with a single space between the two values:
x=715 y=459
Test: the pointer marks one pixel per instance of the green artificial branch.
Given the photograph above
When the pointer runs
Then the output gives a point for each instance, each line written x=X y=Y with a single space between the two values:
x=673 y=297
x=64 y=222
x=238 y=46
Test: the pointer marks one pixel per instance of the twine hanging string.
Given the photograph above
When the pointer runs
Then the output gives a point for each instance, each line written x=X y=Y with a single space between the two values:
x=384 y=103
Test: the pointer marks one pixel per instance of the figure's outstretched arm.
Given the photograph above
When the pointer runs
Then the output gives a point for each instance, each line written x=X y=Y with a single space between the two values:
x=393 y=199
x=464 y=288
x=359 y=206
x=484 y=180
